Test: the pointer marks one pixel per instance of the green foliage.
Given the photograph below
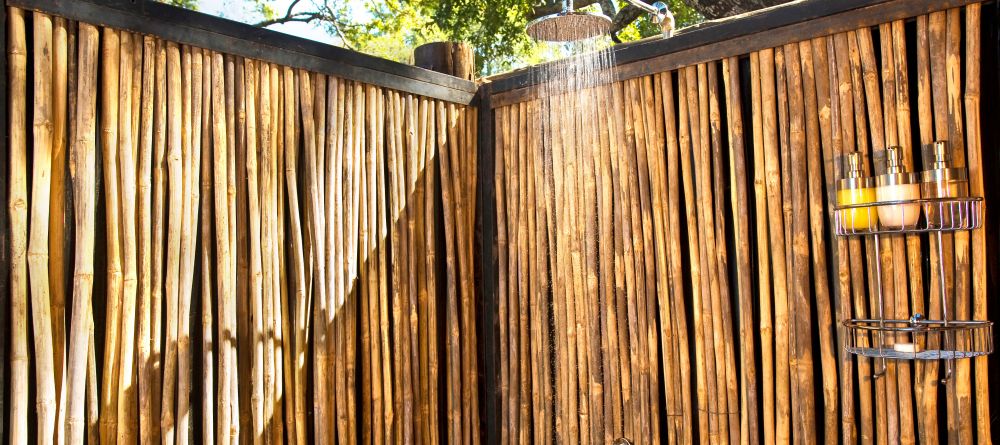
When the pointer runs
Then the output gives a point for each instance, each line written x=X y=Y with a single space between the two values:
x=495 y=28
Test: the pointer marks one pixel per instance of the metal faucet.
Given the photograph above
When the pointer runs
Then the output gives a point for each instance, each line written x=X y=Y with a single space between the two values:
x=661 y=15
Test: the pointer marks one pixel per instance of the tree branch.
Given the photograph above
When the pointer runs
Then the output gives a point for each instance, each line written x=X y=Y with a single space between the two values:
x=304 y=17
x=552 y=7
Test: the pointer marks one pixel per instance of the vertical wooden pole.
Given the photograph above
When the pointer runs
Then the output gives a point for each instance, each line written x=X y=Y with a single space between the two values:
x=973 y=13
x=82 y=159
x=38 y=231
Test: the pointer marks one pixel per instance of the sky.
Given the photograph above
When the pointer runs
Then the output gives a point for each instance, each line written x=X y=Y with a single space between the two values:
x=238 y=10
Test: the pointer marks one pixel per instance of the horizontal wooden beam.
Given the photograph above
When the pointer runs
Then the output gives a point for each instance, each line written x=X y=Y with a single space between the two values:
x=230 y=37
x=774 y=27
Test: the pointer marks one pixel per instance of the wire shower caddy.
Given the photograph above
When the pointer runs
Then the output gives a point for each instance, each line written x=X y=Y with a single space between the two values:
x=916 y=338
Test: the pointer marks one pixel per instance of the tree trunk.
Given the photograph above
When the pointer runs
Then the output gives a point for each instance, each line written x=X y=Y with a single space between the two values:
x=716 y=9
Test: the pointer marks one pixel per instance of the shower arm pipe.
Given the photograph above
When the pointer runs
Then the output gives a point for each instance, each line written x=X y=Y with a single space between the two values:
x=660 y=12
x=649 y=8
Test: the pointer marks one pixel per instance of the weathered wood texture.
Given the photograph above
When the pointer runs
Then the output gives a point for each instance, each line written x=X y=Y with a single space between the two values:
x=745 y=168
x=274 y=255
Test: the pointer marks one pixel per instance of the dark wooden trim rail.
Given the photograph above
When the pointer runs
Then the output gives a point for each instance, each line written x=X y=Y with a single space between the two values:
x=227 y=36
x=734 y=36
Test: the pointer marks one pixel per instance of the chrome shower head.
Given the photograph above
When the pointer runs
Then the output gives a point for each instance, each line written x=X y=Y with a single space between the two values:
x=568 y=26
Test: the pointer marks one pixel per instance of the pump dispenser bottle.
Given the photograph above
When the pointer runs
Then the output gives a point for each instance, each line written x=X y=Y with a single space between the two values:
x=897 y=185
x=856 y=189
x=943 y=181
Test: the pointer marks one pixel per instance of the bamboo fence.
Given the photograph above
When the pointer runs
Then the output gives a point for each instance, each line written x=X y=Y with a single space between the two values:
x=710 y=189
x=271 y=255
x=666 y=267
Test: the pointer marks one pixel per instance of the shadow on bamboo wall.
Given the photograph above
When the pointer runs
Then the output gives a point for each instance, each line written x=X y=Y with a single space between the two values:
x=718 y=286
x=219 y=249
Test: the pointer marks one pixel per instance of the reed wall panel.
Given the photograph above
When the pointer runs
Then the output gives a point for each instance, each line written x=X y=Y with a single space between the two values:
x=206 y=248
x=719 y=288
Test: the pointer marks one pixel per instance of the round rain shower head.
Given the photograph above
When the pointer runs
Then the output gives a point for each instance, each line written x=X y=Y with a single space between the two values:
x=568 y=26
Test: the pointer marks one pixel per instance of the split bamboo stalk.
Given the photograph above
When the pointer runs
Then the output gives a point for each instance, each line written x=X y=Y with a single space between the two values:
x=394 y=165
x=777 y=244
x=577 y=291
x=712 y=305
x=539 y=254
x=927 y=375
x=363 y=422
x=962 y=271
x=297 y=271
x=159 y=247
x=176 y=188
x=677 y=297
x=885 y=388
x=274 y=319
x=802 y=349
x=386 y=412
x=326 y=313
x=336 y=169
x=256 y=285
x=586 y=229
x=645 y=269
x=621 y=268
x=18 y=211
x=631 y=235
x=191 y=83
x=552 y=199
x=371 y=255
x=725 y=311
x=208 y=407
x=466 y=350
x=264 y=126
x=109 y=113
x=686 y=141
x=501 y=137
x=418 y=268
x=38 y=231
x=147 y=281
x=93 y=420
x=847 y=107
x=446 y=123
x=565 y=320
x=430 y=269
x=394 y=160
x=283 y=351
x=737 y=172
x=127 y=397
x=383 y=291
x=228 y=333
x=609 y=341
x=268 y=269
x=937 y=41
x=763 y=250
x=60 y=240
x=244 y=343
x=785 y=335
x=405 y=149
x=660 y=291
x=973 y=13
x=830 y=135
x=896 y=246
x=913 y=255
x=419 y=250
x=513 y=218
x=455 y=139
x=413 y=189
x=351 y=314
x=345 y=225
x=814 y=162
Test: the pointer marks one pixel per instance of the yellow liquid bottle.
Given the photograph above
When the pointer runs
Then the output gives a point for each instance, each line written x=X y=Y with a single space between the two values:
x=855 y=189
